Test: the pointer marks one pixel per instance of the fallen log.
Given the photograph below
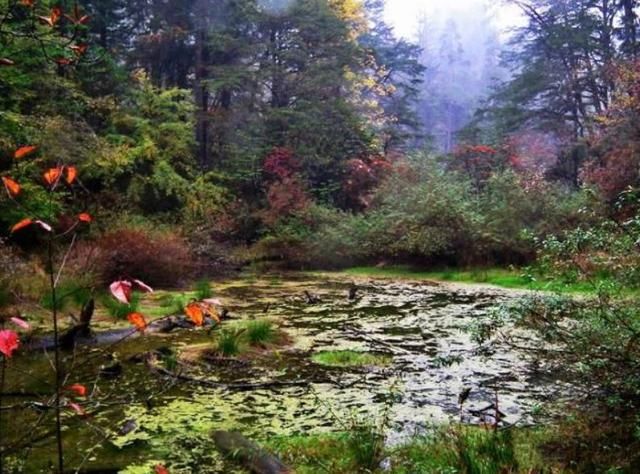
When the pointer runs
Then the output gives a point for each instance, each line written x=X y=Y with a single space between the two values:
x=245 y=452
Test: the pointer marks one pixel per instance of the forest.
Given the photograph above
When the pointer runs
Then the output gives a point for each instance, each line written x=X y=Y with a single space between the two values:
x=278 y=236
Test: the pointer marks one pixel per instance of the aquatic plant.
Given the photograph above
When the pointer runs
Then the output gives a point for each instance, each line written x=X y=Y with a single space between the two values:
x=351 y=359
x=228 y=343
x=203 y=290
x=260 y=332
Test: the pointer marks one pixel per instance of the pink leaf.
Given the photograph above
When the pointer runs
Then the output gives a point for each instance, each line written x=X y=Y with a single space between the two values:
x=9 y=342
x=121 y=290
x=214 y=301
x=77 y=408
x=44 y=225
x=21 y=323
x=143 y=286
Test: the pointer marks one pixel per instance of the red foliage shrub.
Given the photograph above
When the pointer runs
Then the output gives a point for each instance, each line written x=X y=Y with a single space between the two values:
x=286 y=197
x=478 y=162
x=362 y=177
x=281 y=163
x=617 y=145
x=161 y=259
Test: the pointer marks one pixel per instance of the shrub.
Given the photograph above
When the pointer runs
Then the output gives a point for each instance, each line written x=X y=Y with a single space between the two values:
x=158 y=259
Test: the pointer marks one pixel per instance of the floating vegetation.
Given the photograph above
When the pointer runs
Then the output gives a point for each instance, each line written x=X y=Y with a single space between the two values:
x=351 y=359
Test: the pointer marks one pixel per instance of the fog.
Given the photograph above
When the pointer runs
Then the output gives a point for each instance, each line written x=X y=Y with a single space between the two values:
x=462 y=42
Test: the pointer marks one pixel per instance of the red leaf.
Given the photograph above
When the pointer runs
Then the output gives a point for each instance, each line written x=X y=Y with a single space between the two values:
x=12 y=187
x=85 y=217
x=9 y=342
x=62 y=61
x=121 y=290
x=160 y=469
x=79 y=390
x=138 y=321
x=27 y=3
x=21 y=225
x=6 y=62
x=24 y=151
x=79 y=49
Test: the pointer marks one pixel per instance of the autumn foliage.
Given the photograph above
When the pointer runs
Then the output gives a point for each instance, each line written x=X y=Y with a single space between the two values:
x=616 y=167
x=159 y=259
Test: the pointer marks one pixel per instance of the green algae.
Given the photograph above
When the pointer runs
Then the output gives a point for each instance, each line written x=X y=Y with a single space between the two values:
x=351 y=359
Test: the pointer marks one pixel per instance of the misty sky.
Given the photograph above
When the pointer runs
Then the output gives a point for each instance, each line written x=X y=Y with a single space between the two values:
x=404 y=14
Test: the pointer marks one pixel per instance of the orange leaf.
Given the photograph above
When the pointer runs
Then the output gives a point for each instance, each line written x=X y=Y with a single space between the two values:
x=79 y=390
x=24 y=151
x=12 y=187
x=195 y=313
x=79 y=49
x=211 y=311
x=72 y=174
x=52 y=175
x=160 y=469
x=6 y=62
x=85 y=217
x=27 y=3
x=138 y=321
x=21 y=225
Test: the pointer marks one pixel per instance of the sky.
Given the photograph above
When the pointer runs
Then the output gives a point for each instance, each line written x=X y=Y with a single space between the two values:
x=404 y=14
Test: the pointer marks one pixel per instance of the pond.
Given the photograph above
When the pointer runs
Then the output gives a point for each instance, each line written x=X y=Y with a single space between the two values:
x=420 y=329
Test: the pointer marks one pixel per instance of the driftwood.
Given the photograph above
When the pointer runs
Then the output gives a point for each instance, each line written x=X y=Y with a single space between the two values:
x=81 y=334
x=247 y=453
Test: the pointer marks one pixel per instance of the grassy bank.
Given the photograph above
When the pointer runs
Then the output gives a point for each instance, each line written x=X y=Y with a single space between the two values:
x=503 y=277
x=446 y=450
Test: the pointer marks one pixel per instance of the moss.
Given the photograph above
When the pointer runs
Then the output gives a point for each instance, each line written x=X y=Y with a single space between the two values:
x=351 y=359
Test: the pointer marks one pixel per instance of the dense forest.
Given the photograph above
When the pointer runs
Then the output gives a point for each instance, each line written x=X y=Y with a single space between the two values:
x=183 y=145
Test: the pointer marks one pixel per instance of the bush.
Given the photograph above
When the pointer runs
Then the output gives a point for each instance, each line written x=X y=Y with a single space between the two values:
x=158 y=259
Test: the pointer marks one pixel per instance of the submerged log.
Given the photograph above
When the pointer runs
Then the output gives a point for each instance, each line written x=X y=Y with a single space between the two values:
x=247 y=453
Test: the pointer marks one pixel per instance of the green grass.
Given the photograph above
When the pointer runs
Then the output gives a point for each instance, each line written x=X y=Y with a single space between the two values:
x=447 y=450
x=120 y=310
x=260 y=333
x=350 y=359
x=203 y=290
x=229 y=343
x=502 y=277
